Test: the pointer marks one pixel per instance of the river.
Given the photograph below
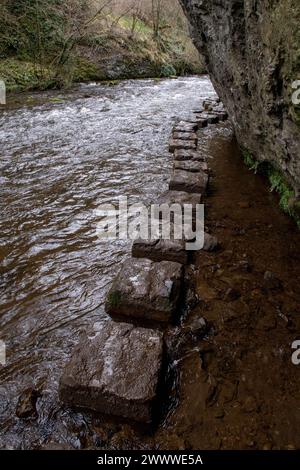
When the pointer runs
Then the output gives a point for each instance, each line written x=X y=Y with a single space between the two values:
x=61 y=157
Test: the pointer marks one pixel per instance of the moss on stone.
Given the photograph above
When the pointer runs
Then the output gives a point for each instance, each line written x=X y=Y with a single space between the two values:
x=278 y=184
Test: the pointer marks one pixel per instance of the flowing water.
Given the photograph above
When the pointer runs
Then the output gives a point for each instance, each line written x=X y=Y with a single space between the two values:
x=59 y=160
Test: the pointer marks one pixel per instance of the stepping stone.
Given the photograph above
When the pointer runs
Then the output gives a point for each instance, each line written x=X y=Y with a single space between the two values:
x=186 y=126
x=180 y=197
x=189 y=182
x=192 y=166
x=175 y=144
x=181 y=154
x=145 y=290
x=222 y=115
x=185 y=136
x=115 y=371
x=211 y=118
x=161 y=250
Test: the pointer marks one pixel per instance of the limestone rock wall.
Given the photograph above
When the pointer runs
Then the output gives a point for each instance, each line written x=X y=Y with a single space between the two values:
x=252 y=52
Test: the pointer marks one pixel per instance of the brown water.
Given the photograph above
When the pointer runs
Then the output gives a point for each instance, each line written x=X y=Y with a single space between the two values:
x=58 y=162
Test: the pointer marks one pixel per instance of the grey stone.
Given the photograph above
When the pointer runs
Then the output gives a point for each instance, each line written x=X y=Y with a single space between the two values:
x=189 y=182
x=115 y=371
x=179 y=197
x=189 y=165
x=145 y=290
x=185 y=136
x=186 y=126
x=175 y=144
x=161 y=250
x=211 y=118
x=181 y=155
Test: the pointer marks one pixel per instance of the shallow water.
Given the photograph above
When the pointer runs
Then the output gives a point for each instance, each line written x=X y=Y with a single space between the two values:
x=59 y=161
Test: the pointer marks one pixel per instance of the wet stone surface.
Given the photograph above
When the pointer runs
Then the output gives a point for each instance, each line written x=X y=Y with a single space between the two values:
x=175 y=144
x=145 y=290
x=189 y=182
x=188 y=165
x=183 y=155
x=115 y=371
x=161 y=250
x=185 y=136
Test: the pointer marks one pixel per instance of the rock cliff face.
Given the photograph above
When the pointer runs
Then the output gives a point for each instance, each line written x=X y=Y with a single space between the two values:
x=252 y=52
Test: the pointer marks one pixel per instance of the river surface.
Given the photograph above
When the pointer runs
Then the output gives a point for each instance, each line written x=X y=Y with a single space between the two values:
x=60 y=158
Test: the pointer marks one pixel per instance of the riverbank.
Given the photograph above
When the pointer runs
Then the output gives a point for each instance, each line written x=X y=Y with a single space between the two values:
x=114 y=57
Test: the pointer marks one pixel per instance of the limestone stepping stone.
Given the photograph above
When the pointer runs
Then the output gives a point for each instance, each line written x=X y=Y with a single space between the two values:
x=185 y=136
x=115 y=371
x=211 y=118
x=190 y=165
x=186 y=126
x=189 y=182
x=146 y=290
x=175 y=144
x=201 y=122
x=161 y=250
x=179 y=197
x=222 y=115
x=181 y=155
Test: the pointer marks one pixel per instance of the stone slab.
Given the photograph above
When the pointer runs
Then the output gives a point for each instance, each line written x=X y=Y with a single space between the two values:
x=211 y=118
x=181 y=154
x=175 y=144
x=115 y=371
x=190 y=165
x=146 y=290
x=185 y=136
x=189 y=182
x=186 y=126
x=179 y=197
x=161 y=250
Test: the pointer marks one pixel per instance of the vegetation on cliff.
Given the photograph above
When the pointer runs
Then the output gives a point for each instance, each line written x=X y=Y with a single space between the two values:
x=49 y=43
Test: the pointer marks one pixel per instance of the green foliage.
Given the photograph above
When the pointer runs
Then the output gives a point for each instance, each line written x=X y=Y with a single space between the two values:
x=168 y=70
x=278 y=184
x=114 y=298
x=249 y=160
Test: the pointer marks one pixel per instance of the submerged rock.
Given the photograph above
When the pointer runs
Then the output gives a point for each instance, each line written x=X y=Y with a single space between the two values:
x=146 y=290
x=116 y=371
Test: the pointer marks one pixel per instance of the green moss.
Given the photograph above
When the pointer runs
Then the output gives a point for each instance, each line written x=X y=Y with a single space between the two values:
x=278 y=184
x=114 y=298
x=21 y=75
x=84 y=70
x=249 y=160
x=167 y=70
